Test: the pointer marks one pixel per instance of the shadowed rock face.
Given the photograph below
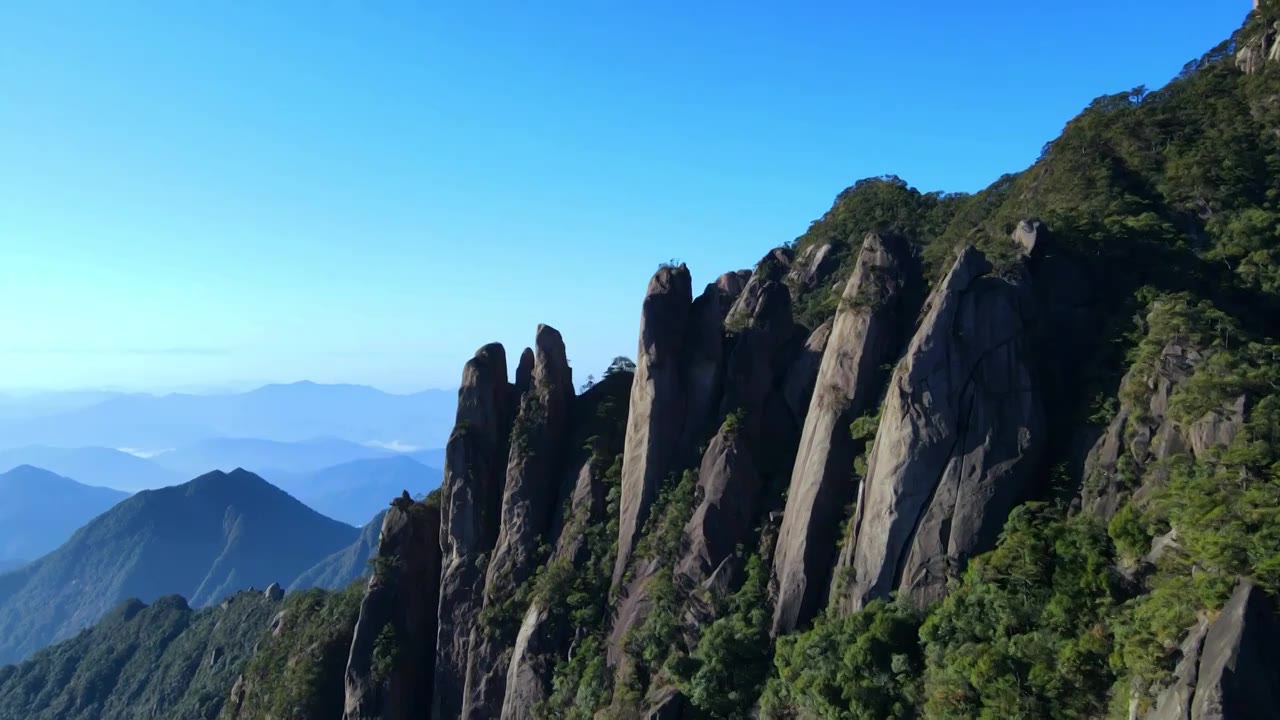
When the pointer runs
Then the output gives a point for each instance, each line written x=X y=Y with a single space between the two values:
x=801 y=377
x=655 y=422
x=703 y=364
x=730 y=489
x=730 y=480
x=472 y=490
x=1230 y=668
x=960 y=433
x=533 y=475
x=875 y=313
x=403 y=595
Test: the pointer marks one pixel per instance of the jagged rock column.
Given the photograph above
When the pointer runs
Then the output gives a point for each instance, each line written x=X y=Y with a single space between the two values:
x=876 y=309
x=655 y=420
x=537 y=449
x=475 y=459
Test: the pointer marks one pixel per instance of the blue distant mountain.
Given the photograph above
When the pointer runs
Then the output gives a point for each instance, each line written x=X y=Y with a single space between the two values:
x=98 y=466
x=39 y=510
x=269 y=458
x=354 y=491
x=294 y=412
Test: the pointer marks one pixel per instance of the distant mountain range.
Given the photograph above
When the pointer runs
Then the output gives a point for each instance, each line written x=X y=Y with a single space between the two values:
x=39 y=510
x=97 y=466
x=268 y=458
x=205 y=539
x=354 y=491
x=287 y=413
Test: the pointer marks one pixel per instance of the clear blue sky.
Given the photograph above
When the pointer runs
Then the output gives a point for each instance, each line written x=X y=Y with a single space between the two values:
x=202 y=193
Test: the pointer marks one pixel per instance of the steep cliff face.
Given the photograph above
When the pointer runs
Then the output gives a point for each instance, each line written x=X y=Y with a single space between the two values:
x=472 y=491
x=658 y=405
x=957 y=444
x=391 y=664
x=875 y=311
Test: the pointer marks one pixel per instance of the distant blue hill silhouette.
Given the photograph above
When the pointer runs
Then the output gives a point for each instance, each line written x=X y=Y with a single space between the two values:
x=39 y=510
x=287 y=413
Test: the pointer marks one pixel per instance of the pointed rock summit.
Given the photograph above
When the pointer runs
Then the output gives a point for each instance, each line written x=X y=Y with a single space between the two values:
x=655 y=421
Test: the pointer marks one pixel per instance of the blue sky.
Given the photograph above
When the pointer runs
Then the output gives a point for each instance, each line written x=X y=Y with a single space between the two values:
x=216 y=193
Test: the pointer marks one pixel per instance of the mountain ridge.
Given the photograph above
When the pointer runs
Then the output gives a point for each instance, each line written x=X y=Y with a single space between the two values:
x=204 y=539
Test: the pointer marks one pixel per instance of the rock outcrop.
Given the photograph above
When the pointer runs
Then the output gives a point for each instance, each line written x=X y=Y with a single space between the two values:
x=274 y=592
x=1230 y=668
x=537 y=449
x=772 y=268
x=1143 y=436
x=959 y=437
x=655 y=422
x=472 y=491
x=1217 y=428
x=397 y=615
x=1254 y=54
x=876 y=310
x=812 y=267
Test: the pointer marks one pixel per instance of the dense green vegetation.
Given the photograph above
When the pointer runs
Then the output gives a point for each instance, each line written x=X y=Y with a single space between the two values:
x=140 y=662
x=296 y=673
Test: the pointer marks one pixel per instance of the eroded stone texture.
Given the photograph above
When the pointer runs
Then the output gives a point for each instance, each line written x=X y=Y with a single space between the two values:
x=961 y=431
x=876 y=310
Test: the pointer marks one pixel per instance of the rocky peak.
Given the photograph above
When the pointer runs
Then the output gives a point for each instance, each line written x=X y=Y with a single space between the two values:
x=772 y=268
x=534 y=467
x=274 y=592
x=472 y=492
x=655 y=422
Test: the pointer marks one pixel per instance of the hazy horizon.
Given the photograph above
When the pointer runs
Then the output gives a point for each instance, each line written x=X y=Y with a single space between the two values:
x=228 y=388
x=196 y=195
